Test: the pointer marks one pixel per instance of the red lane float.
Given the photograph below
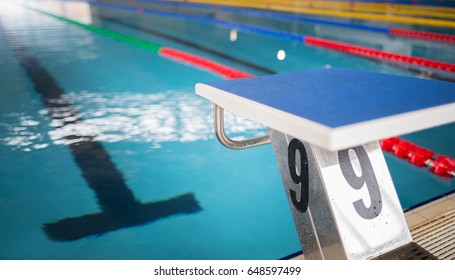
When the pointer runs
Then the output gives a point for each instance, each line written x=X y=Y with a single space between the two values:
x=378 y=55
x=194 y=60
x=443 y=166
x=422 y=35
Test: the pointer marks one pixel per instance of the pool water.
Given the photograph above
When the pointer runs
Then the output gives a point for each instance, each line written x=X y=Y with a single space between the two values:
x=107 y=153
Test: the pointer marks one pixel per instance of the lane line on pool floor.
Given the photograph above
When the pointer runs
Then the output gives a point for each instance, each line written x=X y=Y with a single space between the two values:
x=119 y=207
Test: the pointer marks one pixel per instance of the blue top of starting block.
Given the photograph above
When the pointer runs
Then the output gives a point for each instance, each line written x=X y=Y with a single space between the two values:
x=337 y=108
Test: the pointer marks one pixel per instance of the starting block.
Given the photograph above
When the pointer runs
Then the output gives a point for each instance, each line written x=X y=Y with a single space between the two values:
x=324 y=126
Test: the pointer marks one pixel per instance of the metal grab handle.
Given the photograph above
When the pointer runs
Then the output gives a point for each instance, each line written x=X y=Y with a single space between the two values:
x=218 y=114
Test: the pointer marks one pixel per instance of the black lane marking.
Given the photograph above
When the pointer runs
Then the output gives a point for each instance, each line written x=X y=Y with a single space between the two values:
x=189 y=44
x=119 y=207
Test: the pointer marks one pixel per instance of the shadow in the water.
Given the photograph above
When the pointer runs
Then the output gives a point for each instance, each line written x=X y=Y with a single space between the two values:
x=119 y=207
x=138 y=214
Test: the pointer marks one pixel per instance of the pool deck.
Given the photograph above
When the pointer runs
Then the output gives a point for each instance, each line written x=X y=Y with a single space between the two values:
x=433 y=230
x=430 y=211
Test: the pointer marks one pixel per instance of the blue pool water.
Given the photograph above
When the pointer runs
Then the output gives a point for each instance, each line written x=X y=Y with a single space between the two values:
x=122 y=134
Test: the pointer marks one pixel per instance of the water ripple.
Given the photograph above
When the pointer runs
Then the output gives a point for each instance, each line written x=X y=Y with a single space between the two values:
x=171 y=116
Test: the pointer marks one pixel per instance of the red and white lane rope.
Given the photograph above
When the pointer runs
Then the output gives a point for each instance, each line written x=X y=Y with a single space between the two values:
x=203 y=63
x=441 y=165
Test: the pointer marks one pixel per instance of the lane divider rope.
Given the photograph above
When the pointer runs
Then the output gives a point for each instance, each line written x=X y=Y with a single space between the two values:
x=439 y=5
x=379 y=8
x=441 y=165
x=379 y=55
x=430 y=36
x=335 y=13
x=200 y=62
x=167 y=52
x=313 y=41
x=422 y=35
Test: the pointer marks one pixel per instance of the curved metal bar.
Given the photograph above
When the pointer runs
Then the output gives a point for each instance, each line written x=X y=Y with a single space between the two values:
x=218 y=114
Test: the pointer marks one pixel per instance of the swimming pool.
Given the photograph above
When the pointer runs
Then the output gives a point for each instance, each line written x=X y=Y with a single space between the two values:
x=107 y=153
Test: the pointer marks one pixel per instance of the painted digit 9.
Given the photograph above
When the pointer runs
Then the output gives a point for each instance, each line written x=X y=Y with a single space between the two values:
x=300 y=177
x=367 y=178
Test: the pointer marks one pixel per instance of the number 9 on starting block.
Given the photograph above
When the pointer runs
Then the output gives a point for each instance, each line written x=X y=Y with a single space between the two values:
x=344 y=203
